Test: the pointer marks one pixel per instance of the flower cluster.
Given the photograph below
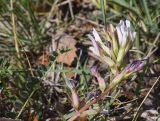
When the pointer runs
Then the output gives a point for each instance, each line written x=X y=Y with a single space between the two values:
x=117 y=43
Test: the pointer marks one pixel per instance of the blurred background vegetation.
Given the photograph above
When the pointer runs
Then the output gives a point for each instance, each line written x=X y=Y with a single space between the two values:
x=29 y=28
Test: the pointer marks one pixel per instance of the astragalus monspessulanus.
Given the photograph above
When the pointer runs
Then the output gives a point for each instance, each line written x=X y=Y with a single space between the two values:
x=111 y=46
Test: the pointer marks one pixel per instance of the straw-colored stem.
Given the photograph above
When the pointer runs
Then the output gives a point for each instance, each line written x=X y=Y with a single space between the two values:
x=136 y=115
x=20 y=112
x=14 y=30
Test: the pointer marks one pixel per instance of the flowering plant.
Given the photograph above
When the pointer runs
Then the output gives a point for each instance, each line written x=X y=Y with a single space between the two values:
x=112 y=51
x=118 y=41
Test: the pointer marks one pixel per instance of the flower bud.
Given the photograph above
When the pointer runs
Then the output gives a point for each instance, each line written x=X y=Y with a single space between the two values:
x=70 y=84
x=101 y=82
x=97 y=40
x=129 y=69
x=95 y=48
x=94 y=71
x=111 y=32
x=133 y=67
x=75 y=98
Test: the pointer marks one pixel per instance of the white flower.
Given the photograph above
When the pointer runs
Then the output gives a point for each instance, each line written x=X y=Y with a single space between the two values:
x=96 y=40
x=96 y=35
x=124 y=33
x=94 y=48
x=125 y=38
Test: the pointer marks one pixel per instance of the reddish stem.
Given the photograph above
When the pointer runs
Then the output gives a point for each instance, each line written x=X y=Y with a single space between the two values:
x=85 y=107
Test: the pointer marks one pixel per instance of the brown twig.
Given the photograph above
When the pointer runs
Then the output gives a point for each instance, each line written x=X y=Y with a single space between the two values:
x=96 y=99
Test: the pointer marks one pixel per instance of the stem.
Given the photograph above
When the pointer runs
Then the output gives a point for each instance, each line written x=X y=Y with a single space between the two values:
x=96 y=99
x=35 y=89
x=20 y=112
x=14 y=30
x=136 y=115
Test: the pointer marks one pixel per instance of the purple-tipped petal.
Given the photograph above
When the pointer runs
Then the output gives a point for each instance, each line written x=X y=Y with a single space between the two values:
x=134 y=66
x=70 y=84
x=94 y=70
